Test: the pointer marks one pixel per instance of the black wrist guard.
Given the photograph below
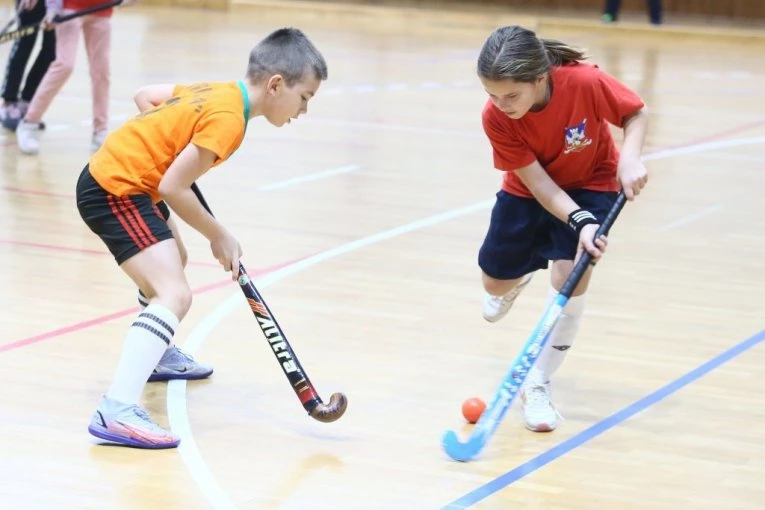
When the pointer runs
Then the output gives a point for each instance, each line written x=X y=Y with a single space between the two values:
x=579 y=218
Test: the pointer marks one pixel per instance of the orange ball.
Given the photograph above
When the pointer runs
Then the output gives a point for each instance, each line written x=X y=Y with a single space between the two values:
x=472 y=409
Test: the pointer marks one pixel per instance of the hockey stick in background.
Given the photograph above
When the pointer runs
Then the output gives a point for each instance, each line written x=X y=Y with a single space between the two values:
x=281 y=348
x=30 y=29
x=503 y=398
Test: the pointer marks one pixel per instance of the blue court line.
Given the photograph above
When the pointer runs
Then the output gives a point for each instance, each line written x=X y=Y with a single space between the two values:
x=599 y=428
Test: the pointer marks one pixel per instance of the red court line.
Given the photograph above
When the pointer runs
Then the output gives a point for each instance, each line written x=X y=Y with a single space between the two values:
x=86 y=251
x=121 y=313
x=35 y=192
x=105 y=318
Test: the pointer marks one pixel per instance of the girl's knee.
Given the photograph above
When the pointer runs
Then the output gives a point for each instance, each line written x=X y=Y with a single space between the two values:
x=497 y=287
x=493 y=286
x=560 y=272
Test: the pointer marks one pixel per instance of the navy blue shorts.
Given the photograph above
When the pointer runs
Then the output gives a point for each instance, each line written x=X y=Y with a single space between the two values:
x=523 y=237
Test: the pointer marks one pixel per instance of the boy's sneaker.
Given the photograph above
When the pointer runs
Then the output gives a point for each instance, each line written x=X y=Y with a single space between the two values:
x=496 y=307
x=129 y=425
x=539 y=414
x=176 y=364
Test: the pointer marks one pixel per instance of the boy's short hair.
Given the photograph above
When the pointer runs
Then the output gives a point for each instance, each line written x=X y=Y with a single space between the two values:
x=289 y=53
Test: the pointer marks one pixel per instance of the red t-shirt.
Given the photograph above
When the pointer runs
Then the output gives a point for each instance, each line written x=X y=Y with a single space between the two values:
x=570 y=136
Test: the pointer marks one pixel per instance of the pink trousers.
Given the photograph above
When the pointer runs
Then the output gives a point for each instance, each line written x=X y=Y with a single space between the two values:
x=96 y=31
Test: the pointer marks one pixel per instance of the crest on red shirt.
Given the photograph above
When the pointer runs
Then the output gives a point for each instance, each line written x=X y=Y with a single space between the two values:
x=576 y=138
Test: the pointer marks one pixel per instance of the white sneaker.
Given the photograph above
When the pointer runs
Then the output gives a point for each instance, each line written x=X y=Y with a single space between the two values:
x=496 y=307
x=539 y=414
x=28 y=137
x=98 y=140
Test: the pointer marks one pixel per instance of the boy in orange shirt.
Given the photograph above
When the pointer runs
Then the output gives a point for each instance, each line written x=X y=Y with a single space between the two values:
x=149 y=164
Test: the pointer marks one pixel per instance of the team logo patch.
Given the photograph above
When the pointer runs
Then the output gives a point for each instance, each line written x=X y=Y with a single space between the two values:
x=576 y=138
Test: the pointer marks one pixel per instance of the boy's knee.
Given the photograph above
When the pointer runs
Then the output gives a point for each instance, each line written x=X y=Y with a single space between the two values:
x=176 y=299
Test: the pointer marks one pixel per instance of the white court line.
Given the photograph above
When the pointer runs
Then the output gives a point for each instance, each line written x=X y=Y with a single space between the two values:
x=176 y=392
x=310 y=177
x=690 y=218
x=737 y=157
x=692 y=149
x=703 y=147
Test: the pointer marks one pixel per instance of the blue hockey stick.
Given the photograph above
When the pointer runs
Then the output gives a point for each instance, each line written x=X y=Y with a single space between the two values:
x=503 y=398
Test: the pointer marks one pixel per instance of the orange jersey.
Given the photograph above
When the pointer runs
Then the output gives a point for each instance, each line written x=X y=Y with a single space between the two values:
x=135 y=156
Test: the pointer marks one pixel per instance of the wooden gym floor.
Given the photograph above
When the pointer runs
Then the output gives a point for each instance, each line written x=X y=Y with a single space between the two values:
x=363 y=222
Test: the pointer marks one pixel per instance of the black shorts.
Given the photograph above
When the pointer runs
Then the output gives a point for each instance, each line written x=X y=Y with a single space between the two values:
x=126 y=224
x=523 y=236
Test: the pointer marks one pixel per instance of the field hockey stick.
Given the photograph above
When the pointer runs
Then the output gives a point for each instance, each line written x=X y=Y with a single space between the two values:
x=30 y=29
x=503 y=398
x=282 y=349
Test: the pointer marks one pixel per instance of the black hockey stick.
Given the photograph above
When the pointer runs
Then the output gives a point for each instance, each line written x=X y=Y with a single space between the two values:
x=281 y=348
x=30 y=29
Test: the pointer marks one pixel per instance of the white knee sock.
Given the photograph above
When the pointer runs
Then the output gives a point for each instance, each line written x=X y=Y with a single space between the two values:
x=561 y=338
x=146 y=341
x=143 y=301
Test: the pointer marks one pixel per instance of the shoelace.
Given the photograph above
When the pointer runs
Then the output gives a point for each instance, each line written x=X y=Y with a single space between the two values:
x=537 y=397
x=177 y=352
x=145 y=417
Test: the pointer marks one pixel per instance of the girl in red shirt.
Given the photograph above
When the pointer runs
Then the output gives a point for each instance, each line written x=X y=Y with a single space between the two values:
x=547 y=119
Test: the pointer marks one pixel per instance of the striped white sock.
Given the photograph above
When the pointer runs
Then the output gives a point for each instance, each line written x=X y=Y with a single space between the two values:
x=143 y=301
x=146 y=341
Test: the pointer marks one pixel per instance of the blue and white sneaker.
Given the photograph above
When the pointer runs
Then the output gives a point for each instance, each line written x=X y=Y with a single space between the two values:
x=176 y=364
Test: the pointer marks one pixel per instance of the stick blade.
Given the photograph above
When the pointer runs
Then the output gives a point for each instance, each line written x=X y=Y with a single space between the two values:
x=332 y=411
x=459 y=451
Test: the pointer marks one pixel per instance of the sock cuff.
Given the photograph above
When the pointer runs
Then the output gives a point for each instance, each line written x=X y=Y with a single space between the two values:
x=575 y=305
x=159 y=320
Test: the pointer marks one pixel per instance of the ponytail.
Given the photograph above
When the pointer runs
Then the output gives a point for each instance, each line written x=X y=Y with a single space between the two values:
x=560 y=53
